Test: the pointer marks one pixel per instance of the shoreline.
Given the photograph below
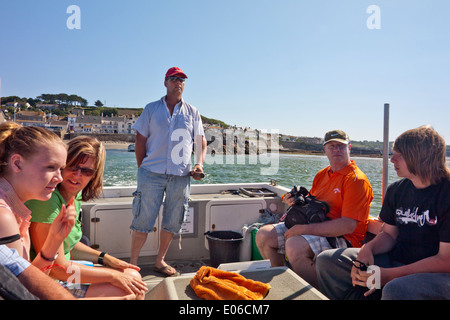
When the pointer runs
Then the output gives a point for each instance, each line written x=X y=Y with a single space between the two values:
x=120 y=145
x=116 y=145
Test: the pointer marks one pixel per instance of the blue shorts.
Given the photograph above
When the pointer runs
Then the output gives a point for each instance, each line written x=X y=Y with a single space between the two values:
x=148 y=198
x=78 y=290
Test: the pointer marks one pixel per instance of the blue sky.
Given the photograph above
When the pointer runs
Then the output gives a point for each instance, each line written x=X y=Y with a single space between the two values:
x=300 y=67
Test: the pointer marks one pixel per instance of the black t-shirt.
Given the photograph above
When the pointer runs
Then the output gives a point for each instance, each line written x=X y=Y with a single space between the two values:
x=422 y=217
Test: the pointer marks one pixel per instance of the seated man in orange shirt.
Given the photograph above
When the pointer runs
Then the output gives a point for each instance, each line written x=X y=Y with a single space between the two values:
x=347 y=191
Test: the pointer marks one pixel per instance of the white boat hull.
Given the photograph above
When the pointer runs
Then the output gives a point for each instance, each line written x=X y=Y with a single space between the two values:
x=211 y=208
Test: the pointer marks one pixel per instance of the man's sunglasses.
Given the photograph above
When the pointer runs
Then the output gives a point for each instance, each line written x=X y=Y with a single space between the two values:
x=88 y=172
x=176 y=78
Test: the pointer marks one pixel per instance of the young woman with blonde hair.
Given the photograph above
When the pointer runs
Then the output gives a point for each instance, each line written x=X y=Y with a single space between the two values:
x=83 y=180
x=31 y=159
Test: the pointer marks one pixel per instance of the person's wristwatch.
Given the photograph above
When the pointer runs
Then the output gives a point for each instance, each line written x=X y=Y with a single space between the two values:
x=100 y=257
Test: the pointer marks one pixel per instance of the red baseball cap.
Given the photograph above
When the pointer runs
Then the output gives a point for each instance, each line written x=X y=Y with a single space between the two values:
x=174 y=71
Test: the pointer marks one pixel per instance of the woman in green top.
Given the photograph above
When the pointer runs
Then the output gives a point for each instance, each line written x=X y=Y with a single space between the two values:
x=83 y=181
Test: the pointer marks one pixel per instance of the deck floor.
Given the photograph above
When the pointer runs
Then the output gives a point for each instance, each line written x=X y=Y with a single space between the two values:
x=184 y=267
x=286 y=285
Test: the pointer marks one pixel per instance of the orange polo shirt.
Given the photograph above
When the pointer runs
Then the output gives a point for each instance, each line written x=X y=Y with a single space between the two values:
x=348 y=193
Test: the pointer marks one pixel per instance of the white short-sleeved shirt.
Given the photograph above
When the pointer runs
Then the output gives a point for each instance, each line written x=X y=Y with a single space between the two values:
x=169 y=138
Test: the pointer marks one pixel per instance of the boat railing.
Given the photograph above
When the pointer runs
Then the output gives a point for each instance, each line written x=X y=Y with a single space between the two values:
x=119 y=192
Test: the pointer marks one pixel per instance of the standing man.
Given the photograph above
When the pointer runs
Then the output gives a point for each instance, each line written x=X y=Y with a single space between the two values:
x=165 y=134
x=347 y=191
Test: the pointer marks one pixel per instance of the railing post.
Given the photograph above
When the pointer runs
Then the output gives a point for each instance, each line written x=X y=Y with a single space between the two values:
x=385 y=149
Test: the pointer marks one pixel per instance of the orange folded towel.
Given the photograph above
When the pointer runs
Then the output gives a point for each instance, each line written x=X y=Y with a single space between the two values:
x=214 y=284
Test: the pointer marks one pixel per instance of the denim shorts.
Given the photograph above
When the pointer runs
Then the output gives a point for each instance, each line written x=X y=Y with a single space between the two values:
x=78 y=290
x=152 y=189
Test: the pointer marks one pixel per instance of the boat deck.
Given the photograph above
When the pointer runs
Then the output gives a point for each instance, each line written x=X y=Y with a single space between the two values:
x=184 y=267
x=285 y=284
x=211 y=207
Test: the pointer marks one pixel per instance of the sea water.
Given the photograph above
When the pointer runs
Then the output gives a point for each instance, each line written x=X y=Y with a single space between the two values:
x=289 y=170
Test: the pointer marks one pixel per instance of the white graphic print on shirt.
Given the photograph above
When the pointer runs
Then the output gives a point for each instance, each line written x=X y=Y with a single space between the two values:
x=412 y=216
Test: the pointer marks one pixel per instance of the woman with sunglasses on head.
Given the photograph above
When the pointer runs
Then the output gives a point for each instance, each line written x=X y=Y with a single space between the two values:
x=82 y=179
x=410 y=257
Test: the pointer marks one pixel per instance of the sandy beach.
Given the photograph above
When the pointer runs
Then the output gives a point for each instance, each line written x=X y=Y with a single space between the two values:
x=117 y=145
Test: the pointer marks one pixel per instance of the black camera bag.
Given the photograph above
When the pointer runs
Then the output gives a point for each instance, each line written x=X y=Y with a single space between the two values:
x=308 y=211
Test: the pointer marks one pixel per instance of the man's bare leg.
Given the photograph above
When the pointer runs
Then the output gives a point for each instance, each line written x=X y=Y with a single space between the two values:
x=301 y=259
x=165 y=238
x=267 y=243
x=137 y=242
